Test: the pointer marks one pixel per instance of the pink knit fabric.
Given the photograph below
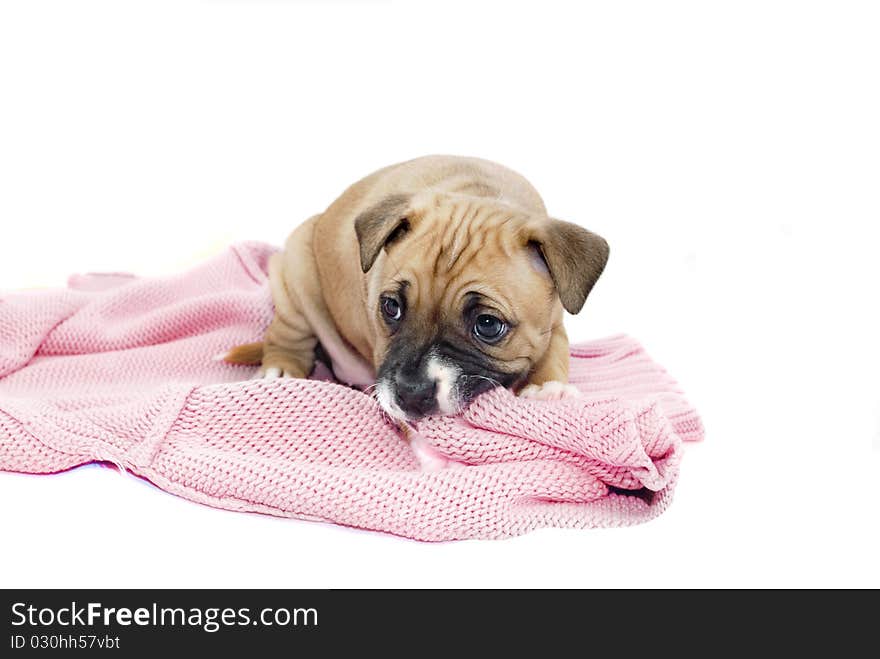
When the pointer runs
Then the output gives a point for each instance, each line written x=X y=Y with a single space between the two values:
x=118 y=368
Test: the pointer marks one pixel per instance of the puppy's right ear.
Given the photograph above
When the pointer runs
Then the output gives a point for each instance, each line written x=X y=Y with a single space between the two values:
x=380 y=225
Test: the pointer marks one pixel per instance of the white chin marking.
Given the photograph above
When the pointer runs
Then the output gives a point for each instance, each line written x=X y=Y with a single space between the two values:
x=386 y=401
x=446 y=376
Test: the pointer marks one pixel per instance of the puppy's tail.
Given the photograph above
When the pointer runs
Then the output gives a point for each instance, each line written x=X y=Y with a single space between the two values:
x=249 y=353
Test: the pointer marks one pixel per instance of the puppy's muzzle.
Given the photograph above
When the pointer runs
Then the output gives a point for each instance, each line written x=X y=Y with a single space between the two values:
x=415 y=394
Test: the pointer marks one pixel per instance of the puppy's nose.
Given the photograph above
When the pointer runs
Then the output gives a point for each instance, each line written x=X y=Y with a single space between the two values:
x=416 y=395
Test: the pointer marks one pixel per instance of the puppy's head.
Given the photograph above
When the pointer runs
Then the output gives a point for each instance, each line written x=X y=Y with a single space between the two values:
x=463 y=294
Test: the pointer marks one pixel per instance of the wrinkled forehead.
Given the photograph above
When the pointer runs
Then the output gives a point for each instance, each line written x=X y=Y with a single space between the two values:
x=454 y=263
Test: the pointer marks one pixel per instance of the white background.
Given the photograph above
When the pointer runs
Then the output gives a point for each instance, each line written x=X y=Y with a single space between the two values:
x=729 y=152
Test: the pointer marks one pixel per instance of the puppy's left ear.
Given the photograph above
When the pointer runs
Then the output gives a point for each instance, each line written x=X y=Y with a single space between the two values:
x=380 y=225
x=574 y=256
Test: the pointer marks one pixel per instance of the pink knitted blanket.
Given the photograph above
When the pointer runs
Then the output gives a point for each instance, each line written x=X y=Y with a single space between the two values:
x=118 y=368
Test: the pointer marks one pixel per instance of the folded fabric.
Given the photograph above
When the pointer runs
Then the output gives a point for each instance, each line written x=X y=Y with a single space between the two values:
x=118 y=368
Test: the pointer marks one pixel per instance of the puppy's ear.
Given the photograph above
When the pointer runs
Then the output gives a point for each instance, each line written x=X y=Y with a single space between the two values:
x=379 y=225
x=574 y=256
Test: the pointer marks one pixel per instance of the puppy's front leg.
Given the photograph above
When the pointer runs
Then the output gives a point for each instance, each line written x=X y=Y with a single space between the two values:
x=288 y=348
x=549 y=379
x=289 y=343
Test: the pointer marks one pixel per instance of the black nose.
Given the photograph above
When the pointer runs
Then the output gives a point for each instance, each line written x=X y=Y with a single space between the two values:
x=416 y=395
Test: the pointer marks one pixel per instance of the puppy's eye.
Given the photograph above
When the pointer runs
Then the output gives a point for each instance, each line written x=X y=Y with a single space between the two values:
x=489 y=328
x=391 y=308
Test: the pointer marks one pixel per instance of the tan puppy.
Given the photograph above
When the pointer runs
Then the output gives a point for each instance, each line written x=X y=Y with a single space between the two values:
x=436 y=279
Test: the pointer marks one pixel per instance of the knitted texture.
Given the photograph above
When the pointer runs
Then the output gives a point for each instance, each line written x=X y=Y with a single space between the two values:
x=118 y=368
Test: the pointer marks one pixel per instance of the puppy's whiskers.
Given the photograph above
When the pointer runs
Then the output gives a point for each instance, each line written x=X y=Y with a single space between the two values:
x=459 y=406
x=488 y=379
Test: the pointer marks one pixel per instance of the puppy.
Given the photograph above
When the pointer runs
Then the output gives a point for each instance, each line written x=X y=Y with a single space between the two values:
x=435 y=279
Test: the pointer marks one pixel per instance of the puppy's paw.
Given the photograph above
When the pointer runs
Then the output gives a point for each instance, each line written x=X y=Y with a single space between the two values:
x=553 y=390
x=270 y=372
